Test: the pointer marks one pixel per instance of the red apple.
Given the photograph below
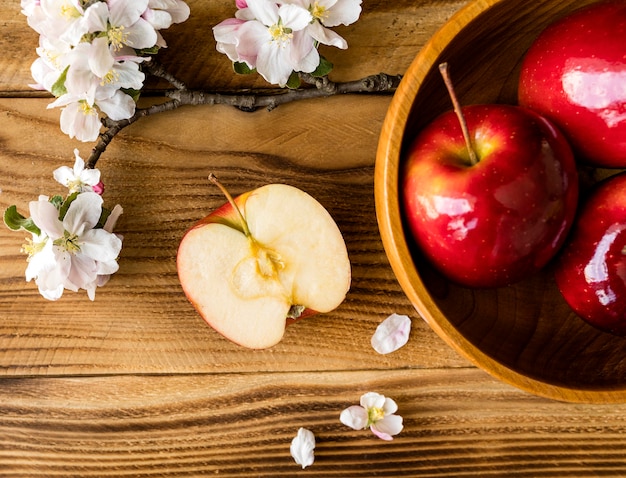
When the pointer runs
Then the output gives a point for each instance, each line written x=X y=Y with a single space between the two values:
x=501 y=219
x=591 y=271
x=575 y=75
x=263 y=259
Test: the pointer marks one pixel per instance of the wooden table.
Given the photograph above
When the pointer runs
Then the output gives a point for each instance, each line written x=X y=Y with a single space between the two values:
x=136 y=384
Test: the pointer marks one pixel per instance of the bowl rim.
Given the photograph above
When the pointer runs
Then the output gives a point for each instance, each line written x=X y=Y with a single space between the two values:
x=386 y=174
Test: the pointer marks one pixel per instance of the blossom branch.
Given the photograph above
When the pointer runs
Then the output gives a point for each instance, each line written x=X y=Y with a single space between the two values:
x=157 y=70
x=324 y=87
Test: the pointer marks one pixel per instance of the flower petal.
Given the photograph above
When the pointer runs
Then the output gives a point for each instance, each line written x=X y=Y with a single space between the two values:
x=83 y=214
x=82 y=272
x=391 y=334
x=302 y=447
x=253 y=35
x=140 y=35
x=294 y=17
x=326 y=36
x=64 y=175
x=273 y=63
x=390 y=406
x=372 y=400
x=264 y=11
x=46 y=217
x=100 y=245
x=125 y=13
x=111 y=221
x=354 y=417
x=118 y=107
x=344 y=12
x=387 y=427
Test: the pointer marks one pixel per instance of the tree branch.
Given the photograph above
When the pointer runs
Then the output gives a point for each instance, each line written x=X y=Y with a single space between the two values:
x=156 y=69
x=323 y=87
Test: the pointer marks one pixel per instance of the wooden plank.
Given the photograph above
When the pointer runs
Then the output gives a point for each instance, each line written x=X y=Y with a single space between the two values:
x=141 y=322
x=402 y=27
x=457 y=423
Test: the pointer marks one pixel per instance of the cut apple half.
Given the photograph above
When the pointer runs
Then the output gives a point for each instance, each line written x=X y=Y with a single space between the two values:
x=267 y=256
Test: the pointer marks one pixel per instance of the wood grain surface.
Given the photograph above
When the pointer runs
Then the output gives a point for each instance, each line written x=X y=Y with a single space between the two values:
x=136 y=384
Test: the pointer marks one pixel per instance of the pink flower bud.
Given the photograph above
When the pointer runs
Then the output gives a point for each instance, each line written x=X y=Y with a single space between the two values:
x=98 y=188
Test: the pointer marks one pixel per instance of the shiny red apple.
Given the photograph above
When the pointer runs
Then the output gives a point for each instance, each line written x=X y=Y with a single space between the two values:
x=575 y=75
x=501 y=219
x=591 y=271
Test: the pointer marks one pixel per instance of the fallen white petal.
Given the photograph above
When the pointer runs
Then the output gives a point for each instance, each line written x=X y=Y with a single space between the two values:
x=302 y=447
x=391 y=334
x=354 y=417
x=387 y=427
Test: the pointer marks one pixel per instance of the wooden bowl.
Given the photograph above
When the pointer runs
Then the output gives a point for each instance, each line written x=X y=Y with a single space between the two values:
x=525 y=334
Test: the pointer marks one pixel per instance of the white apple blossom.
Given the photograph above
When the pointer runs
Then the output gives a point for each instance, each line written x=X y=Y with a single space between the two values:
x=71 y=253
x=278 y=38
x=77 y=179
x=302 y=447
x=52 y=61
x=271 y=39
x=391 y=334
x=124 y=25
x=90 y=54
x=375 y=412
x=80 y=118
x=329 y=13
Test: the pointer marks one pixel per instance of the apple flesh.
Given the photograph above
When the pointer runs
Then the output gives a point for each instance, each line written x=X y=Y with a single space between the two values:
x=591 y=271
x=497 y=221
x=286 y=260
x=574 y=74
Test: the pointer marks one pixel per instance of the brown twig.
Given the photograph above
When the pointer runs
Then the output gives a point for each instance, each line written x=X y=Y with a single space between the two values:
x=157 y=70
x=245 y=101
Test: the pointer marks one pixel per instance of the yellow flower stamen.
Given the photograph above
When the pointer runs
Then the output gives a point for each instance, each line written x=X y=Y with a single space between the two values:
x=69 y=242
x=31 y=248
x=111 y=77
x=280 y=33
x=117 y=37
x=375 y=414
x=87 y=108
x=69 y=11
x=319 y=12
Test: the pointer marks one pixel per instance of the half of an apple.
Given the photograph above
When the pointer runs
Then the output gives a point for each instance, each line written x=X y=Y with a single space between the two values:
x=265 y=257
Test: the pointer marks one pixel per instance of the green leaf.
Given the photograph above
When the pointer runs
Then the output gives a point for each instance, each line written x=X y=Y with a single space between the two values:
x=15 y=221
x=323 y=69
x=66 y=204
x=147 y=51
x=58 y=88
x=242 y=68
x=104 y=215
x=57 y=201
x=294 y=81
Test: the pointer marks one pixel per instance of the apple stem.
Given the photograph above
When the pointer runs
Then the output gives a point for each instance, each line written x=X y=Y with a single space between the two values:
x=244 y=223
x=443 y=69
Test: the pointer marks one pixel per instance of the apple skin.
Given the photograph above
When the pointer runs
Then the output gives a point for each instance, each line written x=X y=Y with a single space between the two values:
x=591 y=270
x=574 y=74
x=501 y=220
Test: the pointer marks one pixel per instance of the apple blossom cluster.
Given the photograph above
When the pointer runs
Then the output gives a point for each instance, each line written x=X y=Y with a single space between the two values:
x=90 y=52
x=72 y=245
x=280 y=39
